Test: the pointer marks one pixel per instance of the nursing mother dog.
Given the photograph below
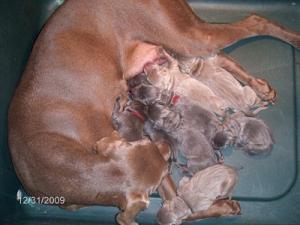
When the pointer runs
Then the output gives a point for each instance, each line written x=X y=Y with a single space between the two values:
x=78 y=66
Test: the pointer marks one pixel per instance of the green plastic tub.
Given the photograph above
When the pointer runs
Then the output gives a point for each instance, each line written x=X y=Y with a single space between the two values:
x=269 y=187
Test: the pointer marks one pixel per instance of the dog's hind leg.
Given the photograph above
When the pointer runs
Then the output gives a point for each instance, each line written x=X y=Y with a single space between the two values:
x=262 y=88
x=198 y=38
x=220 y=36
x=195 y=65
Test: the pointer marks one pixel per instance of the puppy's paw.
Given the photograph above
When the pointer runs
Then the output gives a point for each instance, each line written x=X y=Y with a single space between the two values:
x=229 y=207
x=264 y=90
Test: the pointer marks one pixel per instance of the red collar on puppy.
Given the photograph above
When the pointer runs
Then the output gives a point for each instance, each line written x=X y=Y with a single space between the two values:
x=175 y=99
x=138 y=115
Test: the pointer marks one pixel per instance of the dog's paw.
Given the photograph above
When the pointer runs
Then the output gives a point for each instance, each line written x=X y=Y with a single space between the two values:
x=264 y=90
x=122 y=221
x=235 y=207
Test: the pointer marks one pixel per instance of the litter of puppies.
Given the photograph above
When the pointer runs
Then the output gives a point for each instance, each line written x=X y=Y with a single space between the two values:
x=198 y=112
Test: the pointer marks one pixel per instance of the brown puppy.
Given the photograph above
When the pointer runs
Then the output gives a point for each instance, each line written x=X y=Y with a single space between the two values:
x=200 y=194
x=64 y=102
x=130 y=179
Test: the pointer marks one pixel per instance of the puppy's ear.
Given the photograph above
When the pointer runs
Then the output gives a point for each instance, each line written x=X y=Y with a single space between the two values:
x=219 y=140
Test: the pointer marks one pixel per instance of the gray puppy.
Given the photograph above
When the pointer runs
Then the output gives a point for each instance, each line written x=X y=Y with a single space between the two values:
x=141 y=90
x=129 y=121
x=250 y=134
x=200 y=127
x=189 y=129
x=207 y=191
x=186 y=126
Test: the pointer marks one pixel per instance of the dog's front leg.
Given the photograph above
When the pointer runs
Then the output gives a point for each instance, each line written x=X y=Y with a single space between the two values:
x=135 y=204
x=222 y=207
x=167 y=188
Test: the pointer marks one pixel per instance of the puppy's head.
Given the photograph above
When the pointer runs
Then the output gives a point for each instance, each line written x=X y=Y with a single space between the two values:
x=146 y=94
x=159 y=73
x=133 y=106
x=163 y=117
x=254 y=137
x=137 y=80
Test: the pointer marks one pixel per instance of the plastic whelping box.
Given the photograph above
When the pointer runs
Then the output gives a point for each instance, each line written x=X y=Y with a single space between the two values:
x=269 y=187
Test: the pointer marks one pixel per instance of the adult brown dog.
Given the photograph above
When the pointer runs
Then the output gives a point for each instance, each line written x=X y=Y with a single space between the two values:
x=64 y=102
